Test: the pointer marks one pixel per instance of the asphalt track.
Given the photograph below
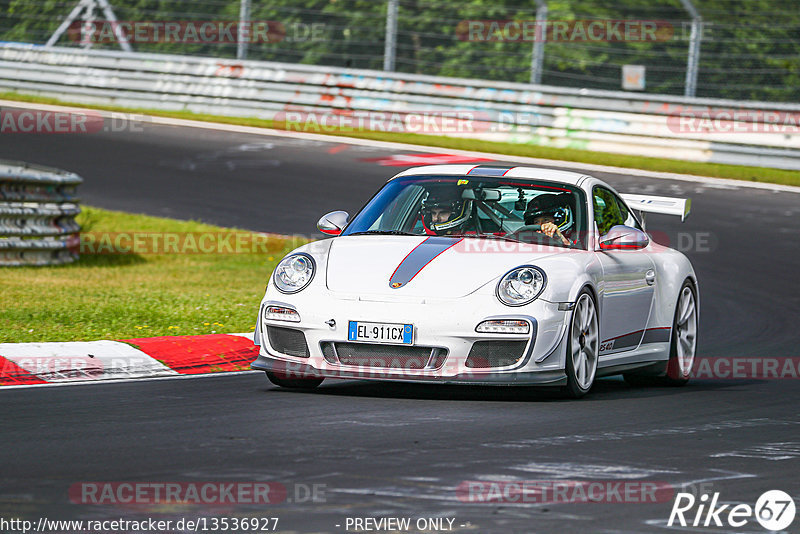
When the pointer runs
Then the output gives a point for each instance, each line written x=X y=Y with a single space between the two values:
x=396 y=450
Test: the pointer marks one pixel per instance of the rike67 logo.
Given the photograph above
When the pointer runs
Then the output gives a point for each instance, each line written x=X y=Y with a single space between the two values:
x=774 y=510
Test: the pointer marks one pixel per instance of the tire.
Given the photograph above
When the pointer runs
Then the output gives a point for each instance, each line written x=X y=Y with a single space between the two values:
x=582 y=347
x=293 y=383
x=682 y=346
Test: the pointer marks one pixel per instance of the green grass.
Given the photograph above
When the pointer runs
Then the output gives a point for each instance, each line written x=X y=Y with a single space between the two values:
x=736 y=172
x=105 y=296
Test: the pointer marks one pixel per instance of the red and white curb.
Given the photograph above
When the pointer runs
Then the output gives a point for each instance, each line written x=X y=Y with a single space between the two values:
x=25 y=364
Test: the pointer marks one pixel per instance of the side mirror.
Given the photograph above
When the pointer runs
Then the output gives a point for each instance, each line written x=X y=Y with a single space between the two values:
x=623 y=237
x=333 y=223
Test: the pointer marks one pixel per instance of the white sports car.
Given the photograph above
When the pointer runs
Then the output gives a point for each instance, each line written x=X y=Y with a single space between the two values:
x=484 y=275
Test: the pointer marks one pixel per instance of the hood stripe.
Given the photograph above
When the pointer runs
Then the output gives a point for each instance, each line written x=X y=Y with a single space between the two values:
x=419 y=258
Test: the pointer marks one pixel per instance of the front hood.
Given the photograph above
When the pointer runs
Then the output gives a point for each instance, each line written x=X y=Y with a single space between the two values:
x=437 y=267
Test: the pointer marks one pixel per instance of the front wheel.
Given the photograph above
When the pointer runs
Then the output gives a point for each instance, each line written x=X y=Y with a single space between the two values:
x=293 y=383
x=583 y=347
x=683 y=347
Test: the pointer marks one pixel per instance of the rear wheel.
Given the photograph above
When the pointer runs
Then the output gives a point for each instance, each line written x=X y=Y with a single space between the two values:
x=582 y=347
x=293 y=383
x=683 y=346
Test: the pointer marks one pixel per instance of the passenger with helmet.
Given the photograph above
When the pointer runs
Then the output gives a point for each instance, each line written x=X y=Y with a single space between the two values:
x=553 y=215
x=444 y=212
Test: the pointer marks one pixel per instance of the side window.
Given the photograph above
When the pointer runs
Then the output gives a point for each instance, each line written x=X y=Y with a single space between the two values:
x=606 y=210
x=627 y=216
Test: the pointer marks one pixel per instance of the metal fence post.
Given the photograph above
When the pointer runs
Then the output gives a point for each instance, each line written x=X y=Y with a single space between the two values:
x=391 y=36
x=695 y=38
x=243 y=34
x=537 y=56
x=122 y=39
x=88 y=7
x=88 y=26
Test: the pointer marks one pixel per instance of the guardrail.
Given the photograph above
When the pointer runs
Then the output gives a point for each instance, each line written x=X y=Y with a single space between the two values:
x=719 y=131
x=38 y=206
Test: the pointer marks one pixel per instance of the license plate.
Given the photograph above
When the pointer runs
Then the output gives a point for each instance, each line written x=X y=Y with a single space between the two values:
x=401 y=334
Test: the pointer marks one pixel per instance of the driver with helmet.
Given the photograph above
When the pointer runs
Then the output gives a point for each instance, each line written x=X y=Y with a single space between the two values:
x=444 y=212
x=552 y=213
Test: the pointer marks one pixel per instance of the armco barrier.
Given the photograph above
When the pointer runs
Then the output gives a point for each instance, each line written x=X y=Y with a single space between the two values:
x=37 y=215
x=719 y=131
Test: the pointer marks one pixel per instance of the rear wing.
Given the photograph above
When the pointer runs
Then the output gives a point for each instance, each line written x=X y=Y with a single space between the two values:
x=663 y=205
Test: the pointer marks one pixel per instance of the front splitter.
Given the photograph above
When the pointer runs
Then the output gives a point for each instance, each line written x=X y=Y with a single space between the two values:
x=298 y=370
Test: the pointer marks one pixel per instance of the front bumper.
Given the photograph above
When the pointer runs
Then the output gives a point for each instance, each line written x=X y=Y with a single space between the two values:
x=288 y=369
x=445 y=325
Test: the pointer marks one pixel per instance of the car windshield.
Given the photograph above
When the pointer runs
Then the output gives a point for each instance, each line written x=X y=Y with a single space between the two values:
x=526 y=211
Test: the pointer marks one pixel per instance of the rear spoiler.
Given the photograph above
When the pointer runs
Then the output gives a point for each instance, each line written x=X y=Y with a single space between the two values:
x=663 y=205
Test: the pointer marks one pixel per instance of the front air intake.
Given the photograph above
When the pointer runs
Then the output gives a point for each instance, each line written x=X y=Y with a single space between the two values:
x=288 y=341
x=401 y=357
x=485 y=354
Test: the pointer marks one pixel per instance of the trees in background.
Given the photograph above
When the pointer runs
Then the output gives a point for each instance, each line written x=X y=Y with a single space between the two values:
x=750 y=49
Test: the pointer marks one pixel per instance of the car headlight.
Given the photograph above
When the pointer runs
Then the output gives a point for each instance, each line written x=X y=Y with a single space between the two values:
x=294 y=273
x=521 y=285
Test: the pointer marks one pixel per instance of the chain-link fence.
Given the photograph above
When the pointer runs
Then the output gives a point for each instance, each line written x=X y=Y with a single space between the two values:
x=743 y=49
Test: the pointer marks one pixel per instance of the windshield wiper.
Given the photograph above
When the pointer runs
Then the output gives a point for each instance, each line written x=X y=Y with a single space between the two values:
x=381 y=232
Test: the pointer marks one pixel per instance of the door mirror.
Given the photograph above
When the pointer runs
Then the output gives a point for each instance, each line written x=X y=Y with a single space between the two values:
x=622 y=237
x=333 y=223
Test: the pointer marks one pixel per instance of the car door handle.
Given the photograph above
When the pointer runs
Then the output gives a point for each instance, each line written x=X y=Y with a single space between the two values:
x=650 y=277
